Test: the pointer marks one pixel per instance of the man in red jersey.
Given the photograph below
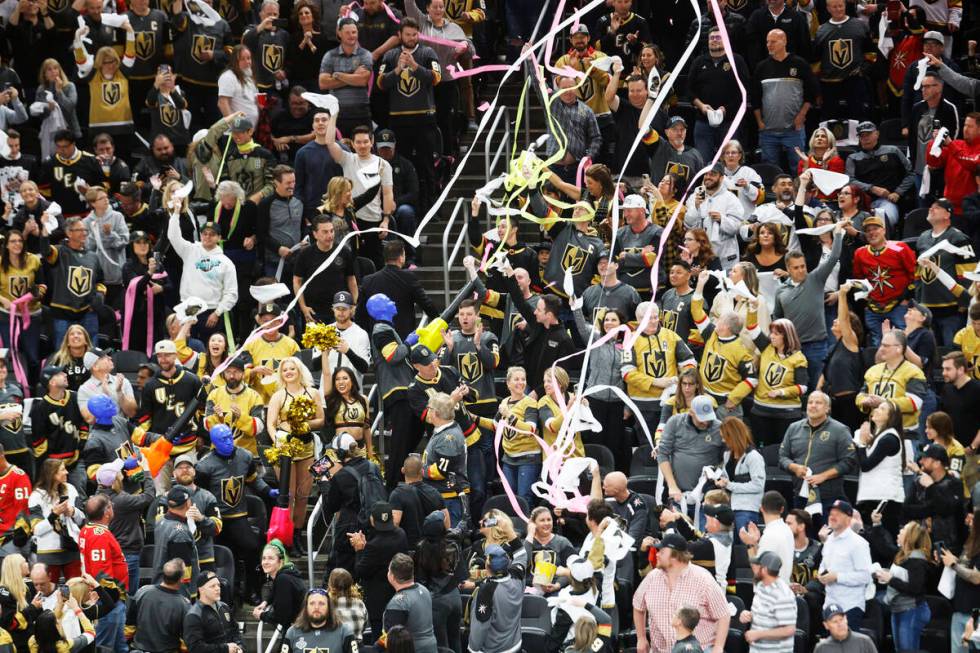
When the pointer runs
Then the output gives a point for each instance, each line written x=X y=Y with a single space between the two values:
x=889 y=266
x=15 y=489
x=102 y=557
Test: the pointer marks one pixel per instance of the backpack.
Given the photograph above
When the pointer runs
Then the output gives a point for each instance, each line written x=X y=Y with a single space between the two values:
x=370 y=490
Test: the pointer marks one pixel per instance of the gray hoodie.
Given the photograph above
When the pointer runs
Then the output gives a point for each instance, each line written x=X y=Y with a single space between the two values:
x=605 y=361
x=111 y=247
x=449 y=31
x=495 y=615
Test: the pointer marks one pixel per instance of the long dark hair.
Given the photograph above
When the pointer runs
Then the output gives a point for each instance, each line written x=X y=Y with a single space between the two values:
x=971 y=548
x=303 y=620
x=234 y=66
x=600 y=173
x=754 y=246
x=400 y=640
x=434 y=557
x=894 y=421
x=47 y=635
x=5 y=261
x=46 y=479
x=332 y=402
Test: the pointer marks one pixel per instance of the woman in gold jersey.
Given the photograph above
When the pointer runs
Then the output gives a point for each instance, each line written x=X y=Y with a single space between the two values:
x=21 y=273
x=345 y=408
x=295 y=380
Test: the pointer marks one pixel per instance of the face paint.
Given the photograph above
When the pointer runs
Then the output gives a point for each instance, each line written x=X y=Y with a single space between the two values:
x=223 y=440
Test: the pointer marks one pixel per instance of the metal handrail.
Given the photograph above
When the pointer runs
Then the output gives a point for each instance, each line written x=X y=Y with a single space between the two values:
x=318 y=507
x=527 y=96
x=503 y=144
x=447 y=257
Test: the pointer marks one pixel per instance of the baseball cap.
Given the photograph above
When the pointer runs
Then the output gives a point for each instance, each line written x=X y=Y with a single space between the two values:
x=542 y=247
x=702 y=409
x=581 y=28
x=872 y=221
x=434 y=525
x=944 y=203
x=933 y=35
x=184 y=458
x=634 y=201
x=673 y=541
x=580 y=568
x=165 y=347
x=238 y=361
x=925 y=310
x=213 y=226
x=92 y=357
x=385 y=138
x=768 y=560
x=206 y=577
x=137 y=236
x=381 y=516
x=604 y=254
x=832 y=609
x=843 y=506
x=720 y=511
x=421 y=355
x=106 y=474
x=343 y=442
x=676 y=120
x=177 y=496
x=343 y=298
x=128 y=189
x=718 y=168
x=866 y=126
x=269 y=308
x=241 y=124
x=497 y=557
x=938 y=453
x=49 y=372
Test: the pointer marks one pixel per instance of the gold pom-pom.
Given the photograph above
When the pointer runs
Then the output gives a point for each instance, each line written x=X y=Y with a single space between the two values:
x=321 y=336
x=301 y=410
x=291 y=448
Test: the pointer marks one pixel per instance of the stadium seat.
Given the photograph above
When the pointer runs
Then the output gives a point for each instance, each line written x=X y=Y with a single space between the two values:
x=257 y=515
x=768 y=172
x=602 y=455
x=146 y=564
x=735 y=643
x=224 y=565
x=915 y=223
x=502 y=503
x=641 y=464
x=643 y=484
x=738 y=604
x=535 y=612
x=890 y=131
x=935 y=636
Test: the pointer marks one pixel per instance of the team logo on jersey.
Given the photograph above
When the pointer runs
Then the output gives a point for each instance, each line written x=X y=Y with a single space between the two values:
x=926 y=273
x=573 y=259
x=272 y=57
x=57 y=6
x=17 y=286
x=884 y=389
x=228 y=10
x=79 y=280
x=668 y=320
x=586 y=90
x=842 y=52
x=111 y=92
x=654 y=363
x=146 y=45
x=455 y=8
x=714 y=367
x=169 y=114
x=679 y=169
x=202 y=43
x=407 y=84
x=469 y=366
x=14 y=425
x=880 y=279
x=737 y=5
x=232 y=490
x=352 y=412
x=774 y=374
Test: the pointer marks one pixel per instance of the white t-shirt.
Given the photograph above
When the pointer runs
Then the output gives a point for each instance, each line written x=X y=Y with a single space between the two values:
x=93 y=387
x=242 y=96
x=359 y=343
x=778 y=538
x=364 y=173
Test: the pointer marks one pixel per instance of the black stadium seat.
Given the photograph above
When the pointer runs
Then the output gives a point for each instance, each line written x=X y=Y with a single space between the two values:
x=602 y=455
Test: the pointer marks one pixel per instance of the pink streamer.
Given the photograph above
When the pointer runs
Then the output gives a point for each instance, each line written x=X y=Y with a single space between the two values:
x=486 y=256
x=20 y=319
x=582 y=165
x=130 y=303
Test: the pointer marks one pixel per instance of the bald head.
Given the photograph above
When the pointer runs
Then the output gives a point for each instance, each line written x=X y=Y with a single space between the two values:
x=40 y=578
x=614 y=486
x=776 y=44
x=412 y=469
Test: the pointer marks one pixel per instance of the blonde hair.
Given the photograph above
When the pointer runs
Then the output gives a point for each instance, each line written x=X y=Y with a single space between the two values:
x=63 y=356
x=559 y=375
x=79 y=589
x=586 y=630
x=831 y=141
x=335 y=193
x=917 y=539
x=503 y=531
x=44 y=66
x=106 y=54
x=168 y=190
x=12 y=578
x=305 y=377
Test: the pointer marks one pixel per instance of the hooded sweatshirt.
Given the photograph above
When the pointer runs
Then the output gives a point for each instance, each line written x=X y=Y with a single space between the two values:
x=207 y=274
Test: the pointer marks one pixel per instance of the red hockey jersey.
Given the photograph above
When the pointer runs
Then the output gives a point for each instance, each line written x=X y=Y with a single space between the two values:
x=15 y=490
x=891 y=271
x=101 y=553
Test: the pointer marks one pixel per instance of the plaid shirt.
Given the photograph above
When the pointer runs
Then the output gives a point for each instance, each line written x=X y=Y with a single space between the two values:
x=352 y=612
x=672 y=248
x=580 y=127
x=695 y=587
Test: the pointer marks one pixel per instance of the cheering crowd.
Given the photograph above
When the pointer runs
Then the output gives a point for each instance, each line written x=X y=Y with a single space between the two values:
x=678 y=405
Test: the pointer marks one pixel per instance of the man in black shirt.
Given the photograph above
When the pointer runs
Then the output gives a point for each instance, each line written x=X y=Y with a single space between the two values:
x=406 y=187
x=712 y=87
x=372 y=557
x=293 y=126
x=777 y=14
x=414 y=499
x=316 y=302
x=961 y=400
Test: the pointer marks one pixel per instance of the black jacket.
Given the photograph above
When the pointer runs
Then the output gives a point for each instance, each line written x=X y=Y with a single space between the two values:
x=942 y=502
x=734 y=23
x=761 y=22
x=948 y=116
x=405 y=181
x=371 y=568
x=286 y=596
x=210 y=628
x=544 y=345
x=405 y=289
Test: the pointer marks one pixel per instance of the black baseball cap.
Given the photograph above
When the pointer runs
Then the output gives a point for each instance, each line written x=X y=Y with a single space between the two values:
x=944 y=203
x=384 y=138
x=343 y=298
x=381 y=516
x=938 y=453
x=720 y=511
x=177 y=496
x=673 y=541
x=421 y=355
x=844 y=506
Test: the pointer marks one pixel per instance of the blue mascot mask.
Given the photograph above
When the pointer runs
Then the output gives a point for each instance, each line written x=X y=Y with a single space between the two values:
x=223 y=440
x=103 y=409
x=381 y=308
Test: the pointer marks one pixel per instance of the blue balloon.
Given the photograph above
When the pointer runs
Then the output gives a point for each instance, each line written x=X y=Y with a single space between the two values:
x=381 y=308
x=103 y=409
x=223 y=439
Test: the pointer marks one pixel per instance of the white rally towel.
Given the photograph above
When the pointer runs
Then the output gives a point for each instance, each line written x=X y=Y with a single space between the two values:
x=937 y=142
x=920 y=73
x=828 y=181
x=945 y=246
x=323 y=101
x=269 y=293
x=202 y=13
x=816 y=231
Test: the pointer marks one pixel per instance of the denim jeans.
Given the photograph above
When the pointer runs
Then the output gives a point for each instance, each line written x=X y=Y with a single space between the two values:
x=829 y=315
x=133 y=564
x=872 y=322
x=406 y=223
x=775 y=142
x=930 y=404
x=957 y=625
x=742 y=519
x=889 y=208
x=815 y=354
x=89 y=320
x=455 y=508
x=907 y=627
x=521 y=478
x=109 y=630
x=708 y=139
